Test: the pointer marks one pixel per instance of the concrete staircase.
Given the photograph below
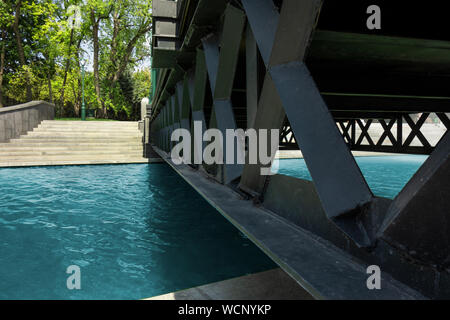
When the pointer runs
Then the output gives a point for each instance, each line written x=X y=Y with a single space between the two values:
x=75 y=142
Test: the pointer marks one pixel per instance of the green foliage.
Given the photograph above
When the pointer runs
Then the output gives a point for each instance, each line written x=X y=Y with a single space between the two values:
x=54 y=52
x=141 y=84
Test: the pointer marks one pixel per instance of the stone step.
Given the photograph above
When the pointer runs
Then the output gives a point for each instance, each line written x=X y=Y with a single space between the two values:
x=86 y=129
x=88 y=124
x=131 y=123
x=82 y=129
x=77 y=129
x=78 y=138
x=89 y=131
x=54 y=148
x=71 y=162
x=74 y=138
x=75 y=142
x=69 y=156
x=82 y=134
x=68 y=142
x=74 y=135
x=29 y=143
x=52 y=152
x=51 y=125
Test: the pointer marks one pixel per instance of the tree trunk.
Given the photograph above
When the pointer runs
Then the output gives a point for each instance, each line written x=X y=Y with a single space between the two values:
x=116 y=29
x=76 y=94
x=95 y=28
x=20 y=49
x=66 y=70
x=50 y=91
x=2 y=66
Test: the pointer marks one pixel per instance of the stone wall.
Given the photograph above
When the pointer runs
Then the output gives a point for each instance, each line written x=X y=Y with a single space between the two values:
x=18 y=120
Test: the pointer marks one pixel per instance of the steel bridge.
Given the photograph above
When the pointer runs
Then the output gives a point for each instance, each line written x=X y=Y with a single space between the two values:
x=312 y=69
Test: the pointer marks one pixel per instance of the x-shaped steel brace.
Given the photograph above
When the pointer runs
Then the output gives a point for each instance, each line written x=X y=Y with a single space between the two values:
x=387 y=131
x=415 y=130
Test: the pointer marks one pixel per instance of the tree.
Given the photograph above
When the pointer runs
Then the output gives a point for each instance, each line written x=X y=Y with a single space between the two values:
x=20 y=22
x=40 y=54
x=70 y=26
x=5 y=22
x=48 y=41
x=20 y=50
x=126 y=34
x=2 y=64
x=129 y=31
x=98 y=11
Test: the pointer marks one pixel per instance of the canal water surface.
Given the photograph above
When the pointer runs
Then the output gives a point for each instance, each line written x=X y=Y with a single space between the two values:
x=385 y=175
x=135 y=231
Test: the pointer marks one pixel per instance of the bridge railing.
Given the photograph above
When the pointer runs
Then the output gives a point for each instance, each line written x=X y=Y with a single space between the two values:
x=18 y=120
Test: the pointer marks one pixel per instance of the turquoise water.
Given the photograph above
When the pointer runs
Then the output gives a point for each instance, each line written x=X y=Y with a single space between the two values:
x=385 y=175
x=134 y=230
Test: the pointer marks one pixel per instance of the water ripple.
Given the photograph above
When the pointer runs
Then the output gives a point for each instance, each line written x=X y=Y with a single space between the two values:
x=134 y=230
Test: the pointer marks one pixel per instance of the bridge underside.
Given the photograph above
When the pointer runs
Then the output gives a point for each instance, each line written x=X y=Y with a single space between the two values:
x=309 y=68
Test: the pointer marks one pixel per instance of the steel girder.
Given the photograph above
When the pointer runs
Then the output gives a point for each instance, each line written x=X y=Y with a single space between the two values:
x=399 y=130
x=373 y=227
x=221 y=64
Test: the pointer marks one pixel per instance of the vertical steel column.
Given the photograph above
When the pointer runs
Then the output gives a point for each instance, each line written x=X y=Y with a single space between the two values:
x=170 y=117
x=158 y=130
x=163 y=129
x=182 y=96
x=221 y=65
x=399 y=131
x=175 y=113
x=177 y=105
x=198 y=92
x=263 y=18
x=184 y=103
x=211 y=51
x=252 y=76
x=166 y=126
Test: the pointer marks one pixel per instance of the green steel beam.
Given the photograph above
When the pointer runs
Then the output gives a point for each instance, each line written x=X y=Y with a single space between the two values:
x=229 y=51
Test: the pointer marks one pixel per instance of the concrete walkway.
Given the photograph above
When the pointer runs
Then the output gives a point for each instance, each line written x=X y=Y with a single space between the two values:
x=75 y=143
x=268 y=285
